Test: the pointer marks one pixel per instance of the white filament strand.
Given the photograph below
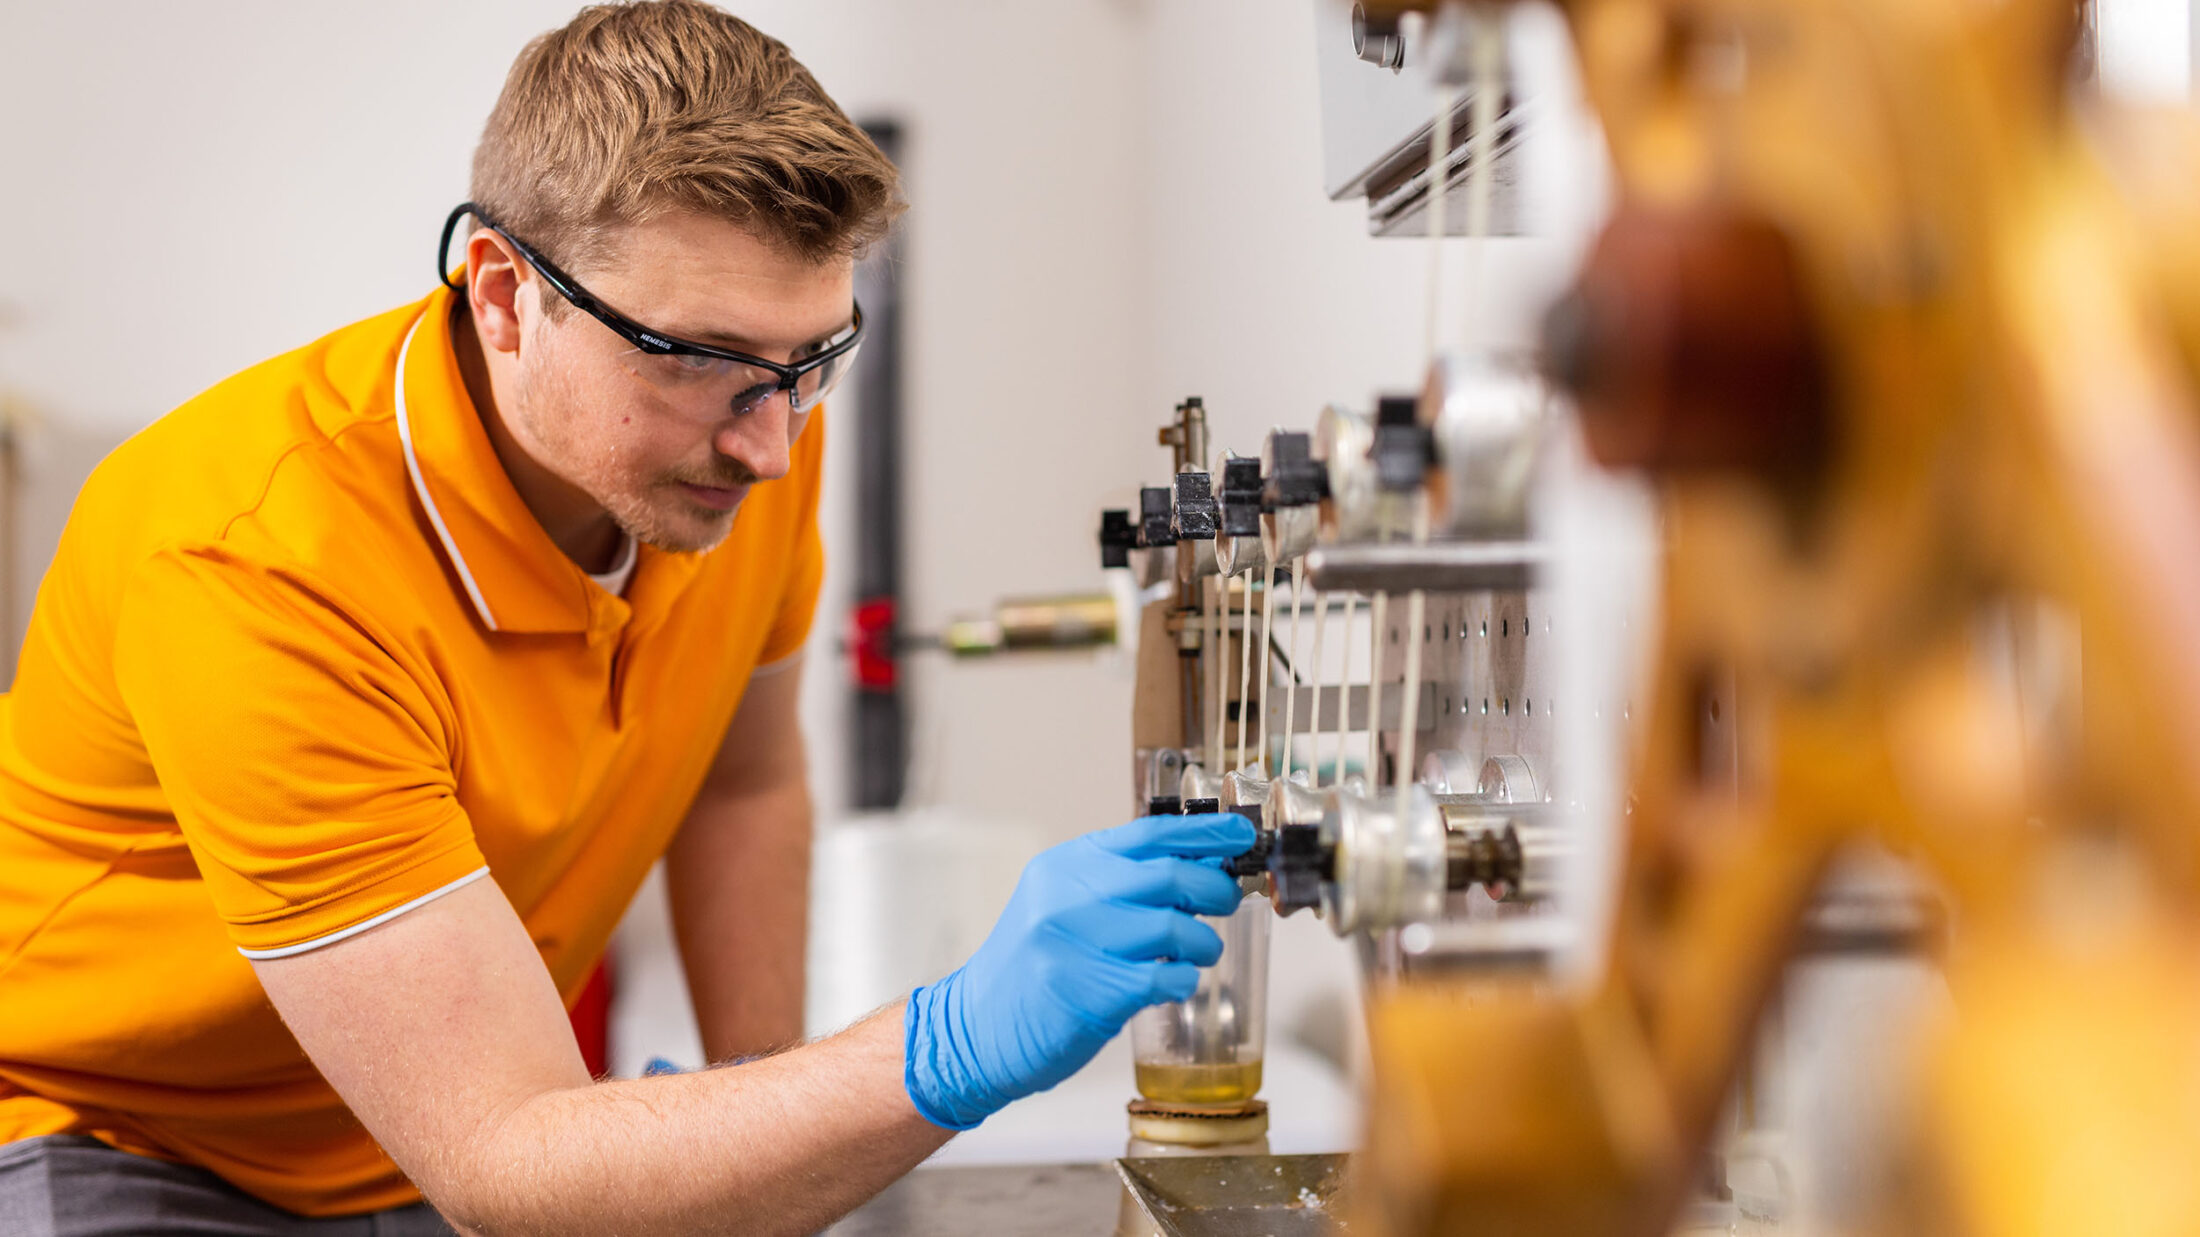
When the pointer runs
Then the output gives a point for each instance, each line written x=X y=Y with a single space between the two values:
x=1245 y=672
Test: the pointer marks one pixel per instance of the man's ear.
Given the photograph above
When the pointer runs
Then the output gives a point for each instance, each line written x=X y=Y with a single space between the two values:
x=492 y=290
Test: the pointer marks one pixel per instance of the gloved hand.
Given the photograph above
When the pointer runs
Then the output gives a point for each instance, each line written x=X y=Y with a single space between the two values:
x=1099 y=928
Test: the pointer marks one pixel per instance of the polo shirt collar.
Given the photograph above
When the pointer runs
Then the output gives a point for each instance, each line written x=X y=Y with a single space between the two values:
x=515 y=577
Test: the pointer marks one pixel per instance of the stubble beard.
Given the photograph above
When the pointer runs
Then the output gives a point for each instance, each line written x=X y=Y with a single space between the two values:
x=650 y=523
x=654 y=512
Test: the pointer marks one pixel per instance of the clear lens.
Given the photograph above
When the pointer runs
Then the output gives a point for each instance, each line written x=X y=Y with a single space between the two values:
x=707 y=388
x=678 y=370
x=696 y=364
x=702 y=388
x=818 y=383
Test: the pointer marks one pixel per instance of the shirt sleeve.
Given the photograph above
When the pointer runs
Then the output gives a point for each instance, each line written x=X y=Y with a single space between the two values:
x=308 y=765
x=806 y=557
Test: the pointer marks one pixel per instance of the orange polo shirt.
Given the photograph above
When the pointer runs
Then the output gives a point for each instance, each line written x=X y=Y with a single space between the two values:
x=303 y=661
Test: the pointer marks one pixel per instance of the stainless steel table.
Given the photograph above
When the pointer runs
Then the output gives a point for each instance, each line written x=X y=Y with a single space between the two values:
x=1050 y=1200
x=1182 y=1196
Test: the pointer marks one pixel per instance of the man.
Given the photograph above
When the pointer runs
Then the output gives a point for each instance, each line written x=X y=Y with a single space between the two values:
x=365 y=688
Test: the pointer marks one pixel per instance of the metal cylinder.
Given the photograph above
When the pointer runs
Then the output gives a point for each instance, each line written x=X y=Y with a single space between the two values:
x=1511 y=849
x=1078 y=621
x=1489 y=427
x=1392 y=859
x=1448 y=772
x=1436 y=566
x=1377 y=39
x=1197 y=783
x=1246 y=787
x=1341 y=441
x=1509 y=779
x=1238 y=555
x=1475 y=814
x=1291 y=802
x=1544 y=850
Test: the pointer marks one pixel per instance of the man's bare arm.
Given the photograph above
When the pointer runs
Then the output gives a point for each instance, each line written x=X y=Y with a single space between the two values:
x=442 y=1032
x=738 y=876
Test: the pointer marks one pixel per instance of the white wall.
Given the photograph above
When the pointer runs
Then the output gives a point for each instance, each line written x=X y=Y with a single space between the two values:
x=193 y=188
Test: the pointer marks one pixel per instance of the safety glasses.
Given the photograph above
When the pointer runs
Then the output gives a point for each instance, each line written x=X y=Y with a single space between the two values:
x=687 y=372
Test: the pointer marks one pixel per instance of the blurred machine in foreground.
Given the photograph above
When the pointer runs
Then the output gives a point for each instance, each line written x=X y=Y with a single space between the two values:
x=1900 y=325
x=1903 y=330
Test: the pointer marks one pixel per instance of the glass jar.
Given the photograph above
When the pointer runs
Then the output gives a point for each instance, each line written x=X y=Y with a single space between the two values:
x=1206 y=1051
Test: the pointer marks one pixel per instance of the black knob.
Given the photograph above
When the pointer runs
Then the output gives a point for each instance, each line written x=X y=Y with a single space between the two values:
x=1164 y=805
x=1195 y=507
x=1201 y=807
x=1117 y=538
x=1255 y=861
x=1240 y=498
x=1403 y=448
x=1299 y=863
x=1295 y=478
x=1153 y=517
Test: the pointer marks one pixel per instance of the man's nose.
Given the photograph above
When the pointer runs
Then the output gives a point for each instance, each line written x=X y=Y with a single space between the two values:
x=760 y=439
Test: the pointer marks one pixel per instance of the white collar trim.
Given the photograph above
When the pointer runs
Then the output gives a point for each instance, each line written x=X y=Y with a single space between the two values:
x=420 y=487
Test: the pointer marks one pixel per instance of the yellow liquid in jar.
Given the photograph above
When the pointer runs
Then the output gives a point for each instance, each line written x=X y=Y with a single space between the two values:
x=1233 y=1083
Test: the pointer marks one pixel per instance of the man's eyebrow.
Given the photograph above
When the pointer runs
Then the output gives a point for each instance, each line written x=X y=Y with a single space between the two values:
x=721 y=339
x=742 y=343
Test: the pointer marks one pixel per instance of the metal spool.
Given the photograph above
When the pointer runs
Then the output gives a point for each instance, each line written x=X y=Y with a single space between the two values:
x=1246 y=787
x=1490 y=427
x=1341 y=441
x=1392 y=860
x=1197 y=783
x=1291 y=802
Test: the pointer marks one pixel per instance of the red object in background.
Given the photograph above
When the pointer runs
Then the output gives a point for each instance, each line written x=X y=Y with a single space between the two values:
x=591 y=1015
x=871 y=640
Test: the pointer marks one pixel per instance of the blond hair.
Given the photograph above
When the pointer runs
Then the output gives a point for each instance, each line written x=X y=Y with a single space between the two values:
x=631 y=110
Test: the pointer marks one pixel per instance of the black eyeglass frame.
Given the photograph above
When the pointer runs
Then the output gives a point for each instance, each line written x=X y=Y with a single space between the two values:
x=656 y=343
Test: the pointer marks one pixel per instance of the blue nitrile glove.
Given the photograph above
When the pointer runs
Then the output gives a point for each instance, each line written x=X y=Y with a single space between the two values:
x=1099 y=928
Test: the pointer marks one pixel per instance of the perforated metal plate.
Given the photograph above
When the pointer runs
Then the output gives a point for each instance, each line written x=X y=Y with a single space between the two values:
x=1490 y=659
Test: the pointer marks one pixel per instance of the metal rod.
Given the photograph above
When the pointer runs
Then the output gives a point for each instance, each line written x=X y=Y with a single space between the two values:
x=1344 y=682
x=1437 y=566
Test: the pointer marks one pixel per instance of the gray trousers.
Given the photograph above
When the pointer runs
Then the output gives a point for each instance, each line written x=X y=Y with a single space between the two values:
x=64 y=1186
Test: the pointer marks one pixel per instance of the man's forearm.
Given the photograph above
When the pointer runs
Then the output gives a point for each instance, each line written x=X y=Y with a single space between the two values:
x=782 y=1145
x=739 y=882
